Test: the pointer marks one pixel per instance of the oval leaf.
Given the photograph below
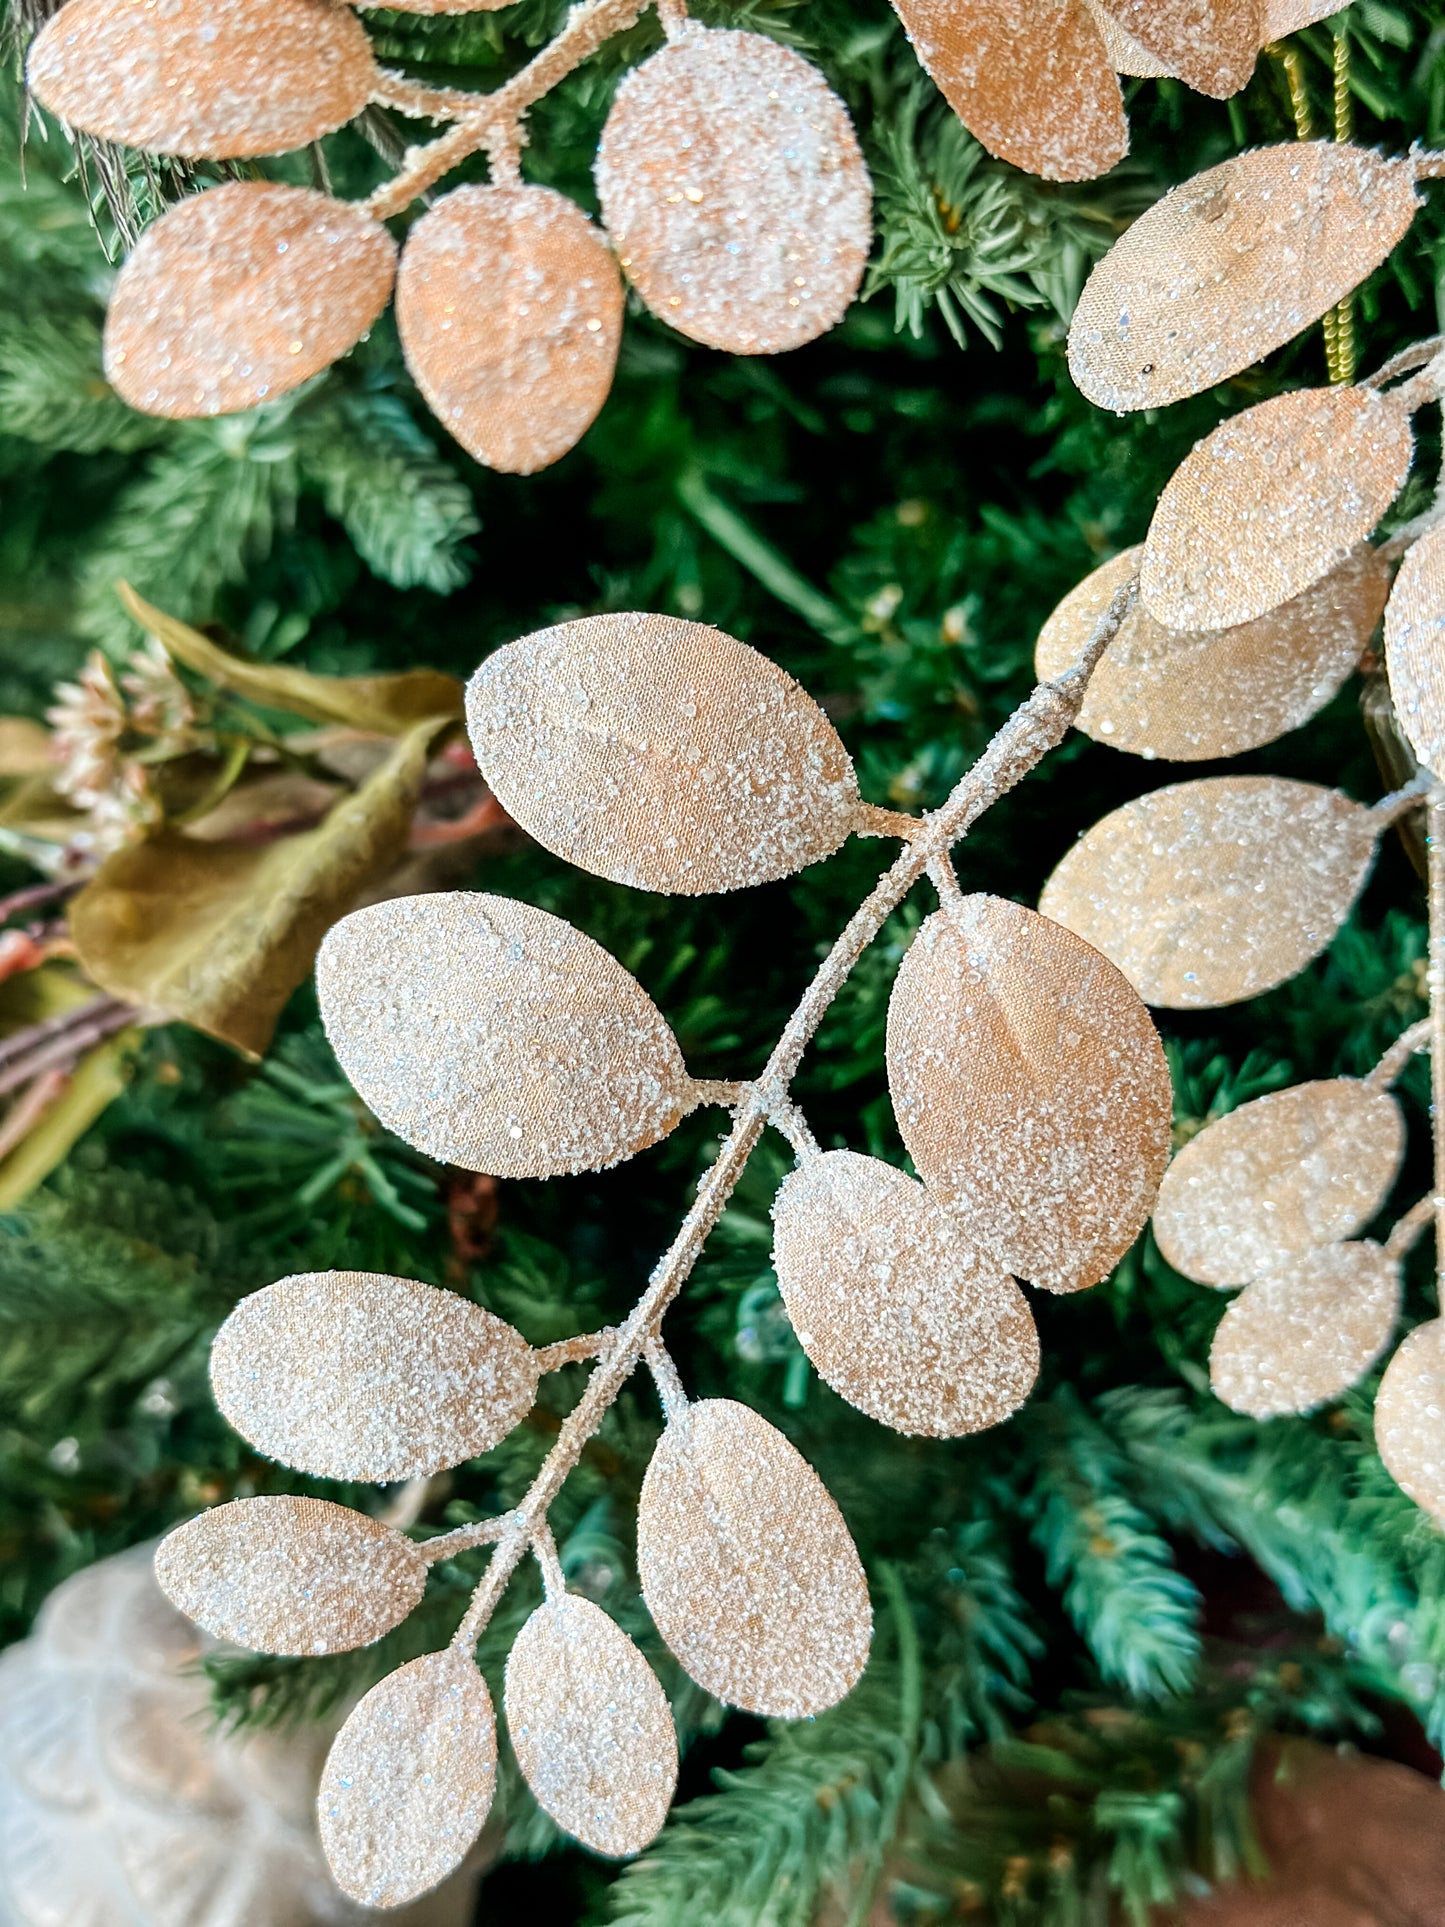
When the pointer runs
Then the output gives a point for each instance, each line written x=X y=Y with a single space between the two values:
x=1191 y=694
x=1296 y=1169
x=591 y=1727
x=660 y=753
x=1409 y=1426
x=348 y=1375
x=285 y=1575
x=747 y=1567
x=1208 y=892
x=1211 y=45
x=510 y=311
x=734 y=192
x=1306 y=1332
x=895 y=1309
x=408 y=1783
x=1415 y=648
x=1030 y=1088
x=494 y=1036
x=201 y=77
x=1231 y=265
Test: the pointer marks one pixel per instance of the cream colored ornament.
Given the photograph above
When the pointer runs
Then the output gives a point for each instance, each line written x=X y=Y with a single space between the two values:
x=661 y=753
x=747 y=1567
x=1208 y=892
x=1211 y=45
x=1415 y=648
x=1306 y=1332
x=893 y=1305
x=494 y=1036
x=509 y=307
x=734 y=191
x=1410 y=1417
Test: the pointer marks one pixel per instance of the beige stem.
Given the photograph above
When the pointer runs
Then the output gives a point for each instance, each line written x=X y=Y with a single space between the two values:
x=1435 y=978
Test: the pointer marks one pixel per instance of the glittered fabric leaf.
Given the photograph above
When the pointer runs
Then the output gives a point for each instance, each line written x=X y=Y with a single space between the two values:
x=591 y=1727
x=1187 y=695
x=1030 y=1088
x=1284 y=17
x=895 y=1309
x=408 y=1783
x=747 y=1567
x=1033 y=83
x=1125 y=56
x=661 y=753
x=1415 y=648
x=1205 y=893
x=1289 y=1171
x=734 y=191
x=509 y=307
x=1211 y=45
x=494 y=1036
x=1272 y=501
x=204 y=78
x=1305 y=1333
x=241 y=293
x=1231 y=265
x=1409 y=1427
x=348 y=1375
x=285 y=1575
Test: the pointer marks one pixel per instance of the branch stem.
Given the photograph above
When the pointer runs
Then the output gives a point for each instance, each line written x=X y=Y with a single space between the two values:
x=1435 y=978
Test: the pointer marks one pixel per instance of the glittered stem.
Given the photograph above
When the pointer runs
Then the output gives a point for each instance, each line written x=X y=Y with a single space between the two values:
x=1407 y=1229
x=1400 y=802
x=1416 y=1038
x=1435 y=979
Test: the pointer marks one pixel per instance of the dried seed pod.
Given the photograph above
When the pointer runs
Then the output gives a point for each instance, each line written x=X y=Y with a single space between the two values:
x=1030 y=1088
x=1211 y=45
x=1415 y=648
x=1125 y=55
x=284 y=1575
x=660 y=753
x=241 y=293
x=591 y=1727
x=734 y=192
x=747 y=1567
x=1231 y=265
x=1271 y=501
x=509 y=307
x=1410 y=1417
x=203 y=78
x=1299 y=1168
x=350 y=1375
x=893 y=1306
x=494 y=1036
x=1306 y=1332
x=1034 y=84
x=1191 y=694
x=409 y=1780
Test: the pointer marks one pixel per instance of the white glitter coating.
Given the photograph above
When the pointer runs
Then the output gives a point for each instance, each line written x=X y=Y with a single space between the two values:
x=1306 y=1332
x=1410 y=1417
x=1415 y=648
x=1210 y=45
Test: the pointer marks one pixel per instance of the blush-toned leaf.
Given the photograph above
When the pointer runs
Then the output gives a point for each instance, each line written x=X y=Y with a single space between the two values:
x=591 y=1727
x=1125 y=55
x=494 y=1036
x=1295 y=1169
x=409 y=1780
x=285 y=1575
x=660 y=753
x=1284 y=17
x=1307 y=1331
x=734 y=191
x=1231 y=265
x=1211 y=45
x=1031 y=1089
x=747 y=1568
x=350 y=1375
x=894 y=1306
x=1410 y=1417
x=1208 y=892
x=1415 y=648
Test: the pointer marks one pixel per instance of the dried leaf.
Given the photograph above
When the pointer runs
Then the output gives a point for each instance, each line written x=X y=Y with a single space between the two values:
x=1408 y=1408
x=591 y=1727
x=1211 y=45
x=408 y=1783
x=892 y=1304
x=350 y=1375
x=1208 y=892
x=25 y=747
x=97 y=1080
x=747 y=1567
x=734 y=192
x=660 y=753
x=1306 y=1332
x=284 y=1575
x=1030 y=1088
x=1415 y=648
x=1231 y=265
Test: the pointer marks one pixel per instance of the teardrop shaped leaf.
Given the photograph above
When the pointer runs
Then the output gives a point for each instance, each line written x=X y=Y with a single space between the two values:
x=893 y=1305
x=350 y=1375
x=1415 y=648
x=1209 y=892
x=408 y=1783
x=1211 y=45
x=1306 y=1332
x=286 y=1575
x=660 y=753
x=1231 y=265
x=591 y=1727
x=747 y=1568
x=494 y=1036
x=1410 y=1417
x=1299 y=1168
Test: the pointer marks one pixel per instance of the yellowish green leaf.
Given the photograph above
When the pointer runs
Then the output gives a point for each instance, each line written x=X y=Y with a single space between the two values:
x=99 y=1078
